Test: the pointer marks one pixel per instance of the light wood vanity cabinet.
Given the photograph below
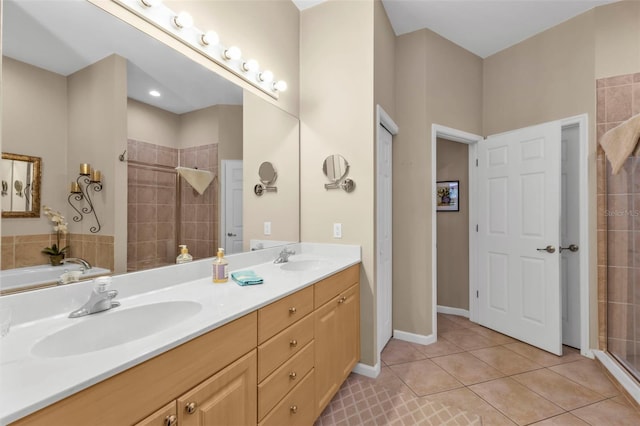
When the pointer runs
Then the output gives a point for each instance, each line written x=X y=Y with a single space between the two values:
x=277 y=366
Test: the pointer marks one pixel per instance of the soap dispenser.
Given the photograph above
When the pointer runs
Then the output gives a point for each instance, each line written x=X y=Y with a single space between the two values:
x=220 y=268
x=184 y=255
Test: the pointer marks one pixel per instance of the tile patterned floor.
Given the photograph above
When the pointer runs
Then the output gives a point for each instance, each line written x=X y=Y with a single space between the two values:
x=472 y=375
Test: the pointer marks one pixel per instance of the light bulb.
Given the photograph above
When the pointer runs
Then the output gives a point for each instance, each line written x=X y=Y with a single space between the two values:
x=232 y=53
x=266 y=76
x=280 y=86
x=150 y=3
x=183 y=20
x=210 y=37
x=251 y=65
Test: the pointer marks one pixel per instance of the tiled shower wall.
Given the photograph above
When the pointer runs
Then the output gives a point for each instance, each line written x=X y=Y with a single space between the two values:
x=152 y=211
x=618 y=98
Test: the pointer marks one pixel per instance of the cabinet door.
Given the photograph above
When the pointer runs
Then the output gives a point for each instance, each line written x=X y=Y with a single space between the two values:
x=327 y=331
x=349 y=319
x=166 y=416
x=227 y=398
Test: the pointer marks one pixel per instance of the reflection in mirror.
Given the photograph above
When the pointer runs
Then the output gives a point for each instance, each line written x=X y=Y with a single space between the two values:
x=335 y=168
x=21 y=175
x=267 y=173
x=72 y=93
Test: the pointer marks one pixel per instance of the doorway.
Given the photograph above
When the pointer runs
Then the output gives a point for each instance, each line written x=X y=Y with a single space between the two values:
x=231 y=212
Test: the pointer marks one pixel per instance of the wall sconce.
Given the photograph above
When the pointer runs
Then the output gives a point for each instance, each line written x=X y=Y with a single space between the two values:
x=180 y=26
x=88 y=179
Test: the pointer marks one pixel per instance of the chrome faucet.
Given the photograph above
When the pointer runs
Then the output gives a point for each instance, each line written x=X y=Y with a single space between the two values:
x=100 y=299
x=85 y=265
x=283 y=257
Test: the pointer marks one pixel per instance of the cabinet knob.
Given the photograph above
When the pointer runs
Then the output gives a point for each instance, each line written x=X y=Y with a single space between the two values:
x=293 y=343
x=190 y=407
x=293 y=375
x=293 y=409
x=170 y=420
x=292 y=310
x=342 y=299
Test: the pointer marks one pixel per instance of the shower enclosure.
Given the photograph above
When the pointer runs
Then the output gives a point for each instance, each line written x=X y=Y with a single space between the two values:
x=618 y=98
x=163 y=210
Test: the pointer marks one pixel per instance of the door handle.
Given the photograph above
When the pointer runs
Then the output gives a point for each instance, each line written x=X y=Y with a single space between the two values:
x=572 y=248
x=231 y=234
x=548 y=249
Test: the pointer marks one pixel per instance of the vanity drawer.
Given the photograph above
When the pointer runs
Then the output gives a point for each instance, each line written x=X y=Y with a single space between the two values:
x=281 y=314
x=329 y=288
x=284 y=379
x=295 y=409
x=283 y=345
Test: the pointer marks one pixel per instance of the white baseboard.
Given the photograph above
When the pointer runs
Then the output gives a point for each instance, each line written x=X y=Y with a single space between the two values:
x=414 y=338
x=367 y=370
x=453 y=311
x=629 y=384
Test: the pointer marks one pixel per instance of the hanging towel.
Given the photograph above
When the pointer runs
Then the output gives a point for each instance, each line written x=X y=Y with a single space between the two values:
x=246 y=278
x=619 y=142
x=198 y=179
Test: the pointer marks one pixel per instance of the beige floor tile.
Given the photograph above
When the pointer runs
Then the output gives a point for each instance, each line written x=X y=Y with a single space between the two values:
x=460 y=320
x=467 y=368
x=386 y=379
x=398 y=351
x=464 y=399
x=467 y=339
x=508 y=362
x=514 y=400
x=566 y=419
x=588 y=374
x=440 y=348
x=494 y=336
x=424 y=377
x=608 y=413
x=544 y=358
x=557 y=388
x=445 y=324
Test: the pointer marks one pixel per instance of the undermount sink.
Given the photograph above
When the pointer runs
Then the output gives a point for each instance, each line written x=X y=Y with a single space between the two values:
x=114 y=327
x=301 y=265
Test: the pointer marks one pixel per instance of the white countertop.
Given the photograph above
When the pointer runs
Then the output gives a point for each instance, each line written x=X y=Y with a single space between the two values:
x=29 y=383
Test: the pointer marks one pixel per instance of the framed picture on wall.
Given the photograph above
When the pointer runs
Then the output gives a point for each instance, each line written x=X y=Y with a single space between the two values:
x=447 y=196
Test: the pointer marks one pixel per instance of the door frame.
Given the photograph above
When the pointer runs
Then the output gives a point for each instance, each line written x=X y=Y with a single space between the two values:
x=382 y=119
x=438 y=131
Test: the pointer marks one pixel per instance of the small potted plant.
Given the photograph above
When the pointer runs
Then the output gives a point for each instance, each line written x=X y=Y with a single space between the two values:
x=56 y=254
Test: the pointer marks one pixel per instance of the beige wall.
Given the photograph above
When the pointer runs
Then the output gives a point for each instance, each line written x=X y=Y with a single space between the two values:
x=617 y=39
x=150 y=124
x=270 y=134
x=336 y=115
x=34 y=116
x=98 y=135
x=230 y=132
x=384 y=61
x=437 y=82
x=453 y=228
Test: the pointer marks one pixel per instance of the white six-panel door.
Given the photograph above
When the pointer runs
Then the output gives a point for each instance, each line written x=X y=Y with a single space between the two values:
x=519 y=216
x=384 y=236
x=232 y=196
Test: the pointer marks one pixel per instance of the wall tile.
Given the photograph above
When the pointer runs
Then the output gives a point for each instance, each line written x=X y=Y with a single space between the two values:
x=618 y=80
x=620 y=284
x=618 y=103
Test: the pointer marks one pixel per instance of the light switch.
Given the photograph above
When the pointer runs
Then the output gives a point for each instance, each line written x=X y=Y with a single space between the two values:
x=337 y=230
x=267 y=228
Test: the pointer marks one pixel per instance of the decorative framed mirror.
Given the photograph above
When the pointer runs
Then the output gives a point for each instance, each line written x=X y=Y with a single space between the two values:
x=21 y=178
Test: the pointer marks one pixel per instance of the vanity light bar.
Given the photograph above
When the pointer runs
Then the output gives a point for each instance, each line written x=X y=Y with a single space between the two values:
x=205 y=43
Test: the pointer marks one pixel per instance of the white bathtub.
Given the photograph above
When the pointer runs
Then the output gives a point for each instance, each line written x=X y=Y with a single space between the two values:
x=31 y=276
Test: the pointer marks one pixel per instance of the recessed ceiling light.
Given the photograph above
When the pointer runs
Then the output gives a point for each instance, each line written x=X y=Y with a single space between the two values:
x=154 y=93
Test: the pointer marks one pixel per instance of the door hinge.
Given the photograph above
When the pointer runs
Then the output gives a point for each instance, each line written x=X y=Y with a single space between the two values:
x=476 y=228
x=477 y=294
x=476 y=162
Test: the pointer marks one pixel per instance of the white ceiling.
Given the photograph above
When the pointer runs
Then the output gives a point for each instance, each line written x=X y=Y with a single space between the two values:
x=483 y=27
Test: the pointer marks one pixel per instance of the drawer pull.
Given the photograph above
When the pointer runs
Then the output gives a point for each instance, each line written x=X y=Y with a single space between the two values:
x=293 y=409
x=293 y=343
x=190 y=407
x=293 y=375
x=292 y=310
x=170 y=420
x=342 y=299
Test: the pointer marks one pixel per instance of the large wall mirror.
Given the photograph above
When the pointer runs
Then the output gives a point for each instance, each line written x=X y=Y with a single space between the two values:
x=20 y=195
x=81 y=86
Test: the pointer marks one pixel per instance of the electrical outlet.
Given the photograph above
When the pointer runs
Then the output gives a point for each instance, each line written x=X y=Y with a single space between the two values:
x=267 y=228
x=337 y=230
